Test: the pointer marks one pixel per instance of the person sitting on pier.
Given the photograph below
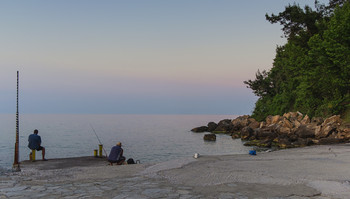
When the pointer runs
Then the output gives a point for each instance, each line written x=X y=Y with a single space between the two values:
x=116 y=155
x=35 y=143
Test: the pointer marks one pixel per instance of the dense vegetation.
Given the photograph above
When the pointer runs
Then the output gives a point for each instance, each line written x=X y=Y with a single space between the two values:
x=311 y=72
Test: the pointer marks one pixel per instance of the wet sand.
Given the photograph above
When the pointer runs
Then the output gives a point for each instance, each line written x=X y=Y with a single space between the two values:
x=319 y=172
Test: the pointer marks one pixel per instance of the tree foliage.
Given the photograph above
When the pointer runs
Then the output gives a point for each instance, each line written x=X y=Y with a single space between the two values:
x=311 y=72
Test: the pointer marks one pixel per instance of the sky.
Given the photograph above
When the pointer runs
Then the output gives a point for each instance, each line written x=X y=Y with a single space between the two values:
x=135 y=57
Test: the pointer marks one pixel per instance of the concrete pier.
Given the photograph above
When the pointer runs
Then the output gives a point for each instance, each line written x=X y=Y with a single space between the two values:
x=63 y=163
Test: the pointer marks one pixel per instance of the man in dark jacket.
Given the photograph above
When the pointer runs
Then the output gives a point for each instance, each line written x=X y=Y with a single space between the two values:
x=35 y=143
x=116 y=155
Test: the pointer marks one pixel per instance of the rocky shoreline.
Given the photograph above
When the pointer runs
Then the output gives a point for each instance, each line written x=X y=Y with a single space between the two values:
x=291 y=130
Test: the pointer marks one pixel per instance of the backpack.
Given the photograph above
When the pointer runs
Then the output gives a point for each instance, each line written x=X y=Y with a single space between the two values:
x=130 y=161
x=252 y=152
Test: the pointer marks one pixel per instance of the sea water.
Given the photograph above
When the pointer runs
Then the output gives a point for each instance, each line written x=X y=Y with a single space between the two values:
x=148 y=138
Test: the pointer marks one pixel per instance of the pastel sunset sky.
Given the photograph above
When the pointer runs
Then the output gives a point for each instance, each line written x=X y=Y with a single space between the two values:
x=135 y=57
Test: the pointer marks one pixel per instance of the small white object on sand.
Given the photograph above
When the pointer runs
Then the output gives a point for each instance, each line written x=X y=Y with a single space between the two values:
x=196 y=155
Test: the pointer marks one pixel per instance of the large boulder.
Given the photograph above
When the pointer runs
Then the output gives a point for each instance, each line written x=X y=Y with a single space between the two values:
x=317 y=120
x=342 y=135
x=209 y=137
x=240 y=122
x=247 y=133
x=224 y=122
x=275 y=119
x=224 y=126
x=262 y=124
x=294 y=116
x=296 y=123
x=317 y=130
x=305 y=120
x=266 y=133
x=212 y=126
x=268 y=120
x=346 y=133
x=300 y=116
x=286 y=123
x=305 y=131
x=287 y=115
x=253 y=123
x=327 y=130
x=335 y=119
x=284 y=126
x=330 y=126
x=200 y=129
x=301 y=142
x=284 y=130
x=282 y=143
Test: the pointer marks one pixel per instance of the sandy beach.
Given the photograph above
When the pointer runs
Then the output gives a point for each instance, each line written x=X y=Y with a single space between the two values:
x=320 y=172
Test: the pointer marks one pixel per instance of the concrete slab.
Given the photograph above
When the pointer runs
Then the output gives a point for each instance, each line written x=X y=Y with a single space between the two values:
x=62 y=163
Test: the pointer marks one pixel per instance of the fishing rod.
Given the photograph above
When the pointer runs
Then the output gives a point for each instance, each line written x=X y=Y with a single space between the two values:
x=98 y=139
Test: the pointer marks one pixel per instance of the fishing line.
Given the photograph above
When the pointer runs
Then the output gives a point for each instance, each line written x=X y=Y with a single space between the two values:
x=98 y=138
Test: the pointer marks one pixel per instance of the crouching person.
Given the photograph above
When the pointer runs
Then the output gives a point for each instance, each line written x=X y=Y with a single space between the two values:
x=116 y=155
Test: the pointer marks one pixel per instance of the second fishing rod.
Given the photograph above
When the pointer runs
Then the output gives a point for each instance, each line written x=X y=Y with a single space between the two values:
x=101 y=145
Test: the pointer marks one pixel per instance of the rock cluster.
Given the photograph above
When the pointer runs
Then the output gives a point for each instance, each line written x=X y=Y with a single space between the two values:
x=293 y=129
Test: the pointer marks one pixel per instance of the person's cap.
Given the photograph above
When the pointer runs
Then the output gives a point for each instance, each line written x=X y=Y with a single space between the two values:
x=119 y=143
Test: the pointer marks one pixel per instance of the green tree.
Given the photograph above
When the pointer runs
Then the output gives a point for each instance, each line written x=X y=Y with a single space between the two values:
x=330 y=56
x=298 y=24
x=311 y=72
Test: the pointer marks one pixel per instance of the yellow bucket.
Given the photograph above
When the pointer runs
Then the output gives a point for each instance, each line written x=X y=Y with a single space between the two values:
x=100 y=146
x=95 y=153
x=32 y=156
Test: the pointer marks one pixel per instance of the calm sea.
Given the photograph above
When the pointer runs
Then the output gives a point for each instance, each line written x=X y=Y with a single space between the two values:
x=148 y=138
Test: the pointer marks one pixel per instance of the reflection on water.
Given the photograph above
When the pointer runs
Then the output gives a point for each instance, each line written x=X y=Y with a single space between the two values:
x=148 y=138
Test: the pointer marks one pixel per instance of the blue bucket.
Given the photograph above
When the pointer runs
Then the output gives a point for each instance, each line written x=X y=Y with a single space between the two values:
x=252 y=152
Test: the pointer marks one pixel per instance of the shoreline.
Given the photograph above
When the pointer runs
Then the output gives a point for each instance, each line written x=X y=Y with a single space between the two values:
x=318 y=172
